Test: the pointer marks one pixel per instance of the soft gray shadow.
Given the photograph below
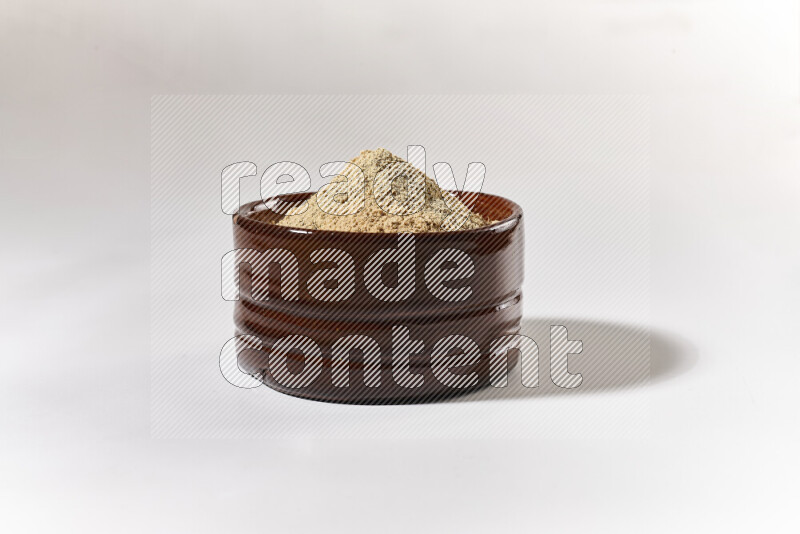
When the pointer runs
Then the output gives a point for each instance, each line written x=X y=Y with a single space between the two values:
x=615 y=357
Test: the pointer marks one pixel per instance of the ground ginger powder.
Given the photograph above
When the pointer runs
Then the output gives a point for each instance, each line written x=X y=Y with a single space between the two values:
x=386 y=198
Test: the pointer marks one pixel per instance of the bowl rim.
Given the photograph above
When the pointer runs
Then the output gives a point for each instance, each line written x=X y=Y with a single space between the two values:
x=245 y=210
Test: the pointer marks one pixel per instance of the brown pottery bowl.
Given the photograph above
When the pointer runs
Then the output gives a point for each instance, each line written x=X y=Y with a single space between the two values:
x=450 y=311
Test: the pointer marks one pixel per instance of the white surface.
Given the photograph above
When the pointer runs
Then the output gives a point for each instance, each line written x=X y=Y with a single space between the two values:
x=725 y=268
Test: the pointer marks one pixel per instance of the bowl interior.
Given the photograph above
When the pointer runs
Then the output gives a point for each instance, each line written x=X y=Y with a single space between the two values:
x=491 y=207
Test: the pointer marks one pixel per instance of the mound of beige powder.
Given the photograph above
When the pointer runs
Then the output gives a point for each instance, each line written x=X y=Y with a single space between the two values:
x=384 y=199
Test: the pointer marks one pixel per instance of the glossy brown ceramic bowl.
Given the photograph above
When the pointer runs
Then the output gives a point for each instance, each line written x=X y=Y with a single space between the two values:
x=492 y=310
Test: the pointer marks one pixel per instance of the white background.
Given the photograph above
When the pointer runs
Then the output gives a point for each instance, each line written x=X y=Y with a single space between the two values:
x=77 y=452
